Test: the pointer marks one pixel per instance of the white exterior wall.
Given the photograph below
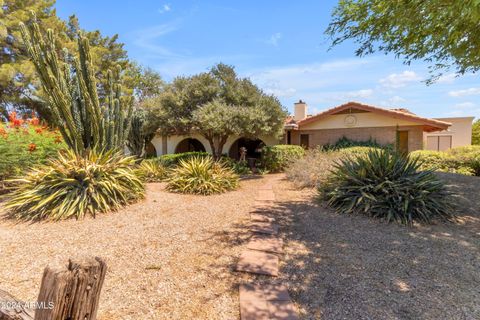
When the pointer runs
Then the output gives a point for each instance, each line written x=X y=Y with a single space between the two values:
x=357 y=120
x=173 y=141
x=460 y=131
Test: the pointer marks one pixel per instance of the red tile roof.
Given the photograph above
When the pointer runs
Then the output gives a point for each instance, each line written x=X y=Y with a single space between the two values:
x=429 y=124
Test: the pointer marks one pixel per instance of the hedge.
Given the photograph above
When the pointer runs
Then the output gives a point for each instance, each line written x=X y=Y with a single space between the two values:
x=462 y=160
x=277 y=158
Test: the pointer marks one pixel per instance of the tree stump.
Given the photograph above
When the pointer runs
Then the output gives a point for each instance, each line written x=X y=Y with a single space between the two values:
x=71 y=294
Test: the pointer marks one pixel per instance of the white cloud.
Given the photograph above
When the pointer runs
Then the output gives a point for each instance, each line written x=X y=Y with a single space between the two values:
x=164 y=8
x=464 y=105
x=395 y=100
x=364 y=93
x=274 y=38
x=464 y=92
x=308 y=76
x=399 y=80
x=147 y=39
x=447 y=78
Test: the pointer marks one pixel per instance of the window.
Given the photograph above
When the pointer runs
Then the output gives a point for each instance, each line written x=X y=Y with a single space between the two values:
x=304 y=140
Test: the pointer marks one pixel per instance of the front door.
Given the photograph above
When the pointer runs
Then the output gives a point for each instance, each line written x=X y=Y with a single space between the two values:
x=402 y=141
x=304 y=140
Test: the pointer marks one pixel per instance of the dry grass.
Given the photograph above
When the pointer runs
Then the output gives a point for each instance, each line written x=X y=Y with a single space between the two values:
x=313 y=169
x=169 y=257
x=353 y=267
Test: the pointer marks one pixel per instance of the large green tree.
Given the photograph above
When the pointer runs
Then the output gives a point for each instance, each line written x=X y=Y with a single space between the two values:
x=441 y=32
x=476 y=132
x=19 y=84
x=217 y=104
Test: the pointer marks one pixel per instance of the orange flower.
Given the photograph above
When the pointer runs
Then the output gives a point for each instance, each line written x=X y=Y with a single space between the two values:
x=15 y=122
x=32 y=147
x=3 y=133
x=58 y=139
x=38 y=130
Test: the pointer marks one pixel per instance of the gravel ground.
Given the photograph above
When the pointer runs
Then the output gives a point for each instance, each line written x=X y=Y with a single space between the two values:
x=170 y=256
x=352 y=267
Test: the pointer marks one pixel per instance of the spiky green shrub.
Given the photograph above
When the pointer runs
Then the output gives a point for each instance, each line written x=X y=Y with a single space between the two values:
x=170 y=160
x=201 y=175
x=387 y=185
x=277 y=158
x=151 y=170
x=74 y=186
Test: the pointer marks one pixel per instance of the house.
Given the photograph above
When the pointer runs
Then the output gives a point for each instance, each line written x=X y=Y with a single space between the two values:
x=457 y=135
x=353 y=120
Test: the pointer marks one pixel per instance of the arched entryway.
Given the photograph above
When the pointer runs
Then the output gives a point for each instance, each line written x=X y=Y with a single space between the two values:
x=189 y=145
x=254 y=148
x=150 y=150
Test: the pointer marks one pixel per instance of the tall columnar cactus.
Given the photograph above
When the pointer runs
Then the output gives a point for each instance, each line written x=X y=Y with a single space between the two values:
x=71 y=91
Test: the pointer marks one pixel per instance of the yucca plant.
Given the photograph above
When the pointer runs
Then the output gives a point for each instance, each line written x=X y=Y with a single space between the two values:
x=74 y=186
x=201 y=175
x=151 y=170
x=385 y=184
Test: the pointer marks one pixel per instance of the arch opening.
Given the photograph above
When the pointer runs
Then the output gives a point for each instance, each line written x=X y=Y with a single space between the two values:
x=189 y=145
x=150 y=150
x=253 y=146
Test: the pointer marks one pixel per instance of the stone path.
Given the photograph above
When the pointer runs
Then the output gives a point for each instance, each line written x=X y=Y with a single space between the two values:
x=264 y=300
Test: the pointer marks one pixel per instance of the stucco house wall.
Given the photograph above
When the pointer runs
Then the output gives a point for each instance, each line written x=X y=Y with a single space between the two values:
x=459 y=134
x=360 y=126
x=383 y=135
x=167 y=145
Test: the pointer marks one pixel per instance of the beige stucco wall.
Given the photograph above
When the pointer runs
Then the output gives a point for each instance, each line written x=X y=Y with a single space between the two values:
x=383 y=135
x=173 y=141
x=460 y=131
x=362 y=120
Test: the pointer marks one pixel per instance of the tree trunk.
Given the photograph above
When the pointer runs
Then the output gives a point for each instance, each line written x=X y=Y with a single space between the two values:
x=73 y=293
x=13 y=309
x=216 y=144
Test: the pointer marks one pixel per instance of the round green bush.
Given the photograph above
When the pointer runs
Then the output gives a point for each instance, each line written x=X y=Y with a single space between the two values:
x=201 y=175
x=73 y=186
x=277 y=158
x=387 y=185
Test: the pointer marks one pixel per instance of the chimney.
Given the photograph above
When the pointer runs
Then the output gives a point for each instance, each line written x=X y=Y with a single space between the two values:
x=300 y=110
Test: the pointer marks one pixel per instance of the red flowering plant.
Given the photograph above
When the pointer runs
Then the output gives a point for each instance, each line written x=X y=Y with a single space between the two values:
x=25 y=143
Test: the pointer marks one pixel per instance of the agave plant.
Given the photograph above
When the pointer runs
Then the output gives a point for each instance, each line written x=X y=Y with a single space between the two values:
x=384 y=184
x=151 y=170
x=73 y=186
x=201 y=175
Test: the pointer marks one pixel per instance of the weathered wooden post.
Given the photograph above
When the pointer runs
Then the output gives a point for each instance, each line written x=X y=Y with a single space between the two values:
x=70 y=293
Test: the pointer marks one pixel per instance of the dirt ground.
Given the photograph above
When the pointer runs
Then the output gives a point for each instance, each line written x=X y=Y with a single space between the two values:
x=172 y=256
x=353 y=267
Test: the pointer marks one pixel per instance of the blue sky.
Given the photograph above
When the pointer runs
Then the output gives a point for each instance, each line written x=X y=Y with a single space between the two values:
x=280 y=45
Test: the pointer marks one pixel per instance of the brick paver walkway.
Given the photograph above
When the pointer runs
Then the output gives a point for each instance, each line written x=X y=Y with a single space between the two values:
x=264 y=301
